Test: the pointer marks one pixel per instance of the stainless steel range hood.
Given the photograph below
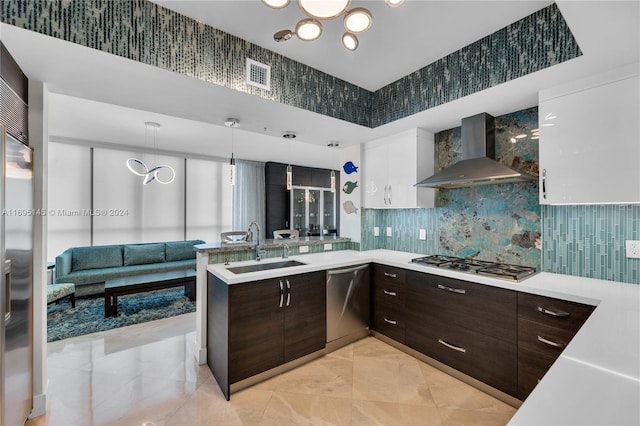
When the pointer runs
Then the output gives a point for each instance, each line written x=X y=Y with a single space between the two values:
x=478 y=165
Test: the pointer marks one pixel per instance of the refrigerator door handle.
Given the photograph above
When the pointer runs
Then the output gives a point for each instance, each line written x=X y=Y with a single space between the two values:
x=7 y=291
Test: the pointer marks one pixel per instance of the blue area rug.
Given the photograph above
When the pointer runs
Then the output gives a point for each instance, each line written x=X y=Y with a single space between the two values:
x=63 y=321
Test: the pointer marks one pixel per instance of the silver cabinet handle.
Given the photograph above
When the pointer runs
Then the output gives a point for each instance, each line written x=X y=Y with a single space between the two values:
x=390 y=275
x=451 y=289
x=389 y=197
x=544 y=183
x=450 y=346
x=288 y=292
x=385 y=194
x=393 y=322
x=561 y=314
x=281 y=293
x=551 y=342
x=389 y=293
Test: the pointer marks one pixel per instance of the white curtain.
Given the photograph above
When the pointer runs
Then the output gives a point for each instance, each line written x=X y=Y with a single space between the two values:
x=249 y=196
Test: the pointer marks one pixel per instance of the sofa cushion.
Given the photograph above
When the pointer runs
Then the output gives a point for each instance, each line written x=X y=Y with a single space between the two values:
x=96 y=257
x=142 y=254
x=181 y=250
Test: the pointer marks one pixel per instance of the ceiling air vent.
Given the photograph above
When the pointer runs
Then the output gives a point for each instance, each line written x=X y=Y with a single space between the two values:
x=258 y=75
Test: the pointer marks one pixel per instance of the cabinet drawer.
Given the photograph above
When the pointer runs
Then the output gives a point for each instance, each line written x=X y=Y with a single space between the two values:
x=389 y=294
x=490 y=360
x=542 y=338
x=475 y=307
x=532 y=366
x=390 y=322
x=388 y=274
x=553 y=312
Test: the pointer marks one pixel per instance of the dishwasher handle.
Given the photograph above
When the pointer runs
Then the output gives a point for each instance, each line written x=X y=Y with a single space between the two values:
x=346 y=270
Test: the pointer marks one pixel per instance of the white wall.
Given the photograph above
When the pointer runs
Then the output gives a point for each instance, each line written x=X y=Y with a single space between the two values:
x=38 y=139
x=350 y=223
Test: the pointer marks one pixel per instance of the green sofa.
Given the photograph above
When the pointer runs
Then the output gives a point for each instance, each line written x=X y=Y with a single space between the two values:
x=89 y=267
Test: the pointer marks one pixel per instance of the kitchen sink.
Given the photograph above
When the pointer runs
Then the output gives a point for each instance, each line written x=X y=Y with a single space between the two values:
x=264 y=266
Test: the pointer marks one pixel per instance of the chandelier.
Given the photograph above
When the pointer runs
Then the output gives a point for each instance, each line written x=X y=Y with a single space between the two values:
x=162 y=173
x=356 y=20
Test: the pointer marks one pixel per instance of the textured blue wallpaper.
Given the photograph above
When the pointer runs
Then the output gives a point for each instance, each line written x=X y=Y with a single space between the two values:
x=535 y=42
x=148 y=33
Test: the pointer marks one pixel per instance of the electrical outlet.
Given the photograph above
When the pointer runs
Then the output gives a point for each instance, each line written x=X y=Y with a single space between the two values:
x=389 y=231
x=423 y=234
x=632 y=249
x=376 y=231
x=328 y=247
x=303 y=249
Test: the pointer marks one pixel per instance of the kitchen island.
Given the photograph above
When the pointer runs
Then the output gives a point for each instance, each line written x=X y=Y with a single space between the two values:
x=596 y=379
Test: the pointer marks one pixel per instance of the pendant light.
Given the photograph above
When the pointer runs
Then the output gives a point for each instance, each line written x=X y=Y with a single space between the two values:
x=289 y=135
x=139 y=168
x=333 y=144
x=232 y=123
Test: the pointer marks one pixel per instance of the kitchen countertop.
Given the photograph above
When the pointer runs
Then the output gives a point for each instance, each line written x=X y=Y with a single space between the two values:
x=596 y=379
x=269 y=243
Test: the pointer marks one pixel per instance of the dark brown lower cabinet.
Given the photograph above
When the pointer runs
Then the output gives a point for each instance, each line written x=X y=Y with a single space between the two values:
x=545 y=327
x=467 y=326
x=388 y=301
x=255 y=326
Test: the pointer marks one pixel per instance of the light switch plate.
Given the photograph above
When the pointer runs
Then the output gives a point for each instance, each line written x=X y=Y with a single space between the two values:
x=423 y=234
x=328 y=247
x=303 y=249
x=389 y=231
x=376 y=231
x=632 y=249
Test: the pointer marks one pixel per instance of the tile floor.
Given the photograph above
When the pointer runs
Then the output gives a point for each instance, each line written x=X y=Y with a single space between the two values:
x=146 y=375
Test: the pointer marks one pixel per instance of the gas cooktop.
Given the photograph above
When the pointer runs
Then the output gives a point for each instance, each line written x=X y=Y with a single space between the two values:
x=505 y=271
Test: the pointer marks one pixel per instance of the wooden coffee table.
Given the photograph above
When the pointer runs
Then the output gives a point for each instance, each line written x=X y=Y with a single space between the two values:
x=147 y=282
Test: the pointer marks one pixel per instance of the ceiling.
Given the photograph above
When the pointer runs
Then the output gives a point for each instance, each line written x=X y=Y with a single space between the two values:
x=103 y=98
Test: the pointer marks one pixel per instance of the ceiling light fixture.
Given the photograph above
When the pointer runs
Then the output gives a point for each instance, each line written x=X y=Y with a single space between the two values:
x=350 y=41
x=308 y=29
x=232 y=123
x=289 y=135
x=324 y=9
x=139 y=168
x=356 y=20
x=390 y=3
x=276 y=4
x=333 y=144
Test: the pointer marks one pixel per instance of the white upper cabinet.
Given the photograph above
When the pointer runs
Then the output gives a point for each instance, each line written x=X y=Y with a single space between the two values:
x=392 y=165
x=590 y=140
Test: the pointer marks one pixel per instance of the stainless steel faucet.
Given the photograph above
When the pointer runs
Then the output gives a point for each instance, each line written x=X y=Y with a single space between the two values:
x=285 y=251
x=259 y=253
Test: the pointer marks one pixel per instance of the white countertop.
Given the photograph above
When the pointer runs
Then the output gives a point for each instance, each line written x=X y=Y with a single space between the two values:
x=596 y=380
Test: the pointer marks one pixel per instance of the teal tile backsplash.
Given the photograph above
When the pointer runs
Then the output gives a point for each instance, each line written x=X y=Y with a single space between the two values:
x=589 y=241
x=492 y=222
x=505 y=222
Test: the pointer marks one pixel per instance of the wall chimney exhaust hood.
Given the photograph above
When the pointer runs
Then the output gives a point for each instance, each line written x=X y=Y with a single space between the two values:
x=478 y=165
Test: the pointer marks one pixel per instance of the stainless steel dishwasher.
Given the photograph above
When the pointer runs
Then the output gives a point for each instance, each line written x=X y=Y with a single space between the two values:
x=348 y=304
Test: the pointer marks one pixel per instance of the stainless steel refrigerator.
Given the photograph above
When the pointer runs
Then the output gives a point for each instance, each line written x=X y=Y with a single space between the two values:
x=16 y=283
